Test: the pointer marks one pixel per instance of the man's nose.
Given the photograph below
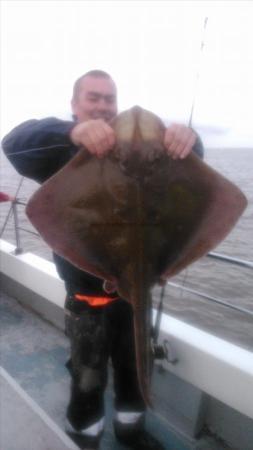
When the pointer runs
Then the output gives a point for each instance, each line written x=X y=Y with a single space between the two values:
x=102 y=104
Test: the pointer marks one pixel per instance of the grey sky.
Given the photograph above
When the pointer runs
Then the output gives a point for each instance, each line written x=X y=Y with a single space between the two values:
x=152 y=49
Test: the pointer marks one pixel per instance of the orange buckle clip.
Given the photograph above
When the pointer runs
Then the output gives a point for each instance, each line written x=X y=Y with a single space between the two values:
x=95 y=301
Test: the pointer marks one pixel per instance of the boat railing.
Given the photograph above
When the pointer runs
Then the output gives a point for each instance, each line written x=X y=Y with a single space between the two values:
x=224 y=259
x=13 y=211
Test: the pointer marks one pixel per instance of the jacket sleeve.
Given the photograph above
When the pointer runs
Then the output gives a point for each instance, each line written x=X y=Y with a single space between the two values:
x=39 y=148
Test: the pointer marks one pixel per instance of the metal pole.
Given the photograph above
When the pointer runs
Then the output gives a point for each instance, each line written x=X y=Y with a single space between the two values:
x=212 y=299
x=230 y=259
x=18 y=249
x=11 y=207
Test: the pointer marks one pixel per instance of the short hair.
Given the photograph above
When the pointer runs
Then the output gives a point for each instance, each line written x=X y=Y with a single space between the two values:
x=91 y=73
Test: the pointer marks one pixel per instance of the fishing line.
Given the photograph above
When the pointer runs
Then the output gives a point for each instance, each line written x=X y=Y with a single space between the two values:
x=40 y=149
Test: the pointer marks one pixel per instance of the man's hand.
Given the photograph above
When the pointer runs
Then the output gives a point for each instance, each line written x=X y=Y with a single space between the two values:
x=179 y=140
x=95 y=135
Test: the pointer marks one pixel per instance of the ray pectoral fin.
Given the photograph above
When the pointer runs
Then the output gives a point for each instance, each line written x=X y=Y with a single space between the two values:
x=223 y=210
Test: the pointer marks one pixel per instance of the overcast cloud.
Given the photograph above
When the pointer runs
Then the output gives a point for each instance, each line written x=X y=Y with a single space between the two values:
x=152 y=49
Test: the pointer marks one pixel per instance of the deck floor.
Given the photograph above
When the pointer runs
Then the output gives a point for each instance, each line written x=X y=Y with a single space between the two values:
x=33 y=353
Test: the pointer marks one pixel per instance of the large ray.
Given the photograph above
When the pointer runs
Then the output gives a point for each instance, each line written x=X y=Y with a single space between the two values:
x=136 y=216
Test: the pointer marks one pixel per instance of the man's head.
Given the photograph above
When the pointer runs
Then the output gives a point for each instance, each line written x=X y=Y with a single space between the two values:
x=94 y=97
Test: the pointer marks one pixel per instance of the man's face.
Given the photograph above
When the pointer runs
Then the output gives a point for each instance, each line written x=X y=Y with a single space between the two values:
x=97 y=99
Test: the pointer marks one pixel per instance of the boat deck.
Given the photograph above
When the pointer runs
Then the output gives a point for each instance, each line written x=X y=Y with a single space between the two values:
x=35 y=389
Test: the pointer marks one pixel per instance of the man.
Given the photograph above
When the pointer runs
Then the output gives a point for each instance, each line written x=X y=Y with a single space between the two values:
x=98 y=323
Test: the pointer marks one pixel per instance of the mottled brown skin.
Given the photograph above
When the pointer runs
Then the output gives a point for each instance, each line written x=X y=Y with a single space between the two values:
x=135 y=217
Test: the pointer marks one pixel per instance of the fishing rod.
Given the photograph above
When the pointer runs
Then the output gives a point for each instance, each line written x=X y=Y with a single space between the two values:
x=202 y=45
x=161 y=352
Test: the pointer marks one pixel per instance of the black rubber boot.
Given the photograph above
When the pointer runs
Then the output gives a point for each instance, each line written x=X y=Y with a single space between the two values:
x=136 y=437
x=85 y=442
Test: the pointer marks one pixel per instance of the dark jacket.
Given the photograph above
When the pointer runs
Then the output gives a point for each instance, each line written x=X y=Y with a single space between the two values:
x=38 y=149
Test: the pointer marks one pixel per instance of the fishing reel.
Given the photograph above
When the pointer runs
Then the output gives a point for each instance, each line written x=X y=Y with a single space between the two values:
x=163 y=352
